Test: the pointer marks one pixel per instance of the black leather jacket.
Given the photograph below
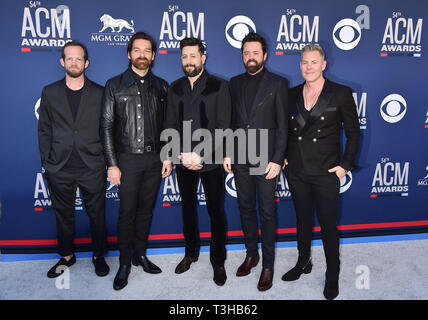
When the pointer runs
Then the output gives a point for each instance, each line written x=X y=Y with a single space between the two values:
x=119 y=120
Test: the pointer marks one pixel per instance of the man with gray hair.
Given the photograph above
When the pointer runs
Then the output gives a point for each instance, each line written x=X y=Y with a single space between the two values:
x=313 y=165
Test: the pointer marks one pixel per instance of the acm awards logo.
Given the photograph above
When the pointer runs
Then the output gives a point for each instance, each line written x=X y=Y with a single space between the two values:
x=295 y=31
x=390 y=179
x=361 y=104
x=393 y=108
x=44 y=28
x=114 y=32
x=402 y=36
x=42 y=201
x=177 y=25
x=170 y=195
x=347 y=32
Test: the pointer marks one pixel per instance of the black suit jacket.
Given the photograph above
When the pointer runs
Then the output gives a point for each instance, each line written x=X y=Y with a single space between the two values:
x=315 y=144
x=212 y=97
x=58 y=131
x=269 y=111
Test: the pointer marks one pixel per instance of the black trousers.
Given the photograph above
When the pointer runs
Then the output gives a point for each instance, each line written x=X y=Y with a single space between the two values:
x=322 y=194
x=62 y=188
x=247 y=186
x=139 y=185
x=213 y=183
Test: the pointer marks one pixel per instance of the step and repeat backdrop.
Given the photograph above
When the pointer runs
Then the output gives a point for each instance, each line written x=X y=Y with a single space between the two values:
x=378 y=48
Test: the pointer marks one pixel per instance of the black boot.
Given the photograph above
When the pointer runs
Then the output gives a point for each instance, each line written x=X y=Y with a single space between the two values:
x=121 y=279
x=297 y=271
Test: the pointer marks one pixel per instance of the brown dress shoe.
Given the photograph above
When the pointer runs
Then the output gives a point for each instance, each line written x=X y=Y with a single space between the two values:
x=184 y=265
x=245 y=268
x=265 y=281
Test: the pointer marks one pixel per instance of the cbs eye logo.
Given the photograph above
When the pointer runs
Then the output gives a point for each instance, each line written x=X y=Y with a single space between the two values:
x=237 y=28
x=36 y=108
x=393 y=108
x=230 y=185
x=345 y=182
x=346 y=34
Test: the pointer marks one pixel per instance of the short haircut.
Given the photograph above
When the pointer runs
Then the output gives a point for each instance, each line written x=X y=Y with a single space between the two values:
x=75 y=43
x=143 y=36
x=313 y=47
x=186 y=42
x=254 y=37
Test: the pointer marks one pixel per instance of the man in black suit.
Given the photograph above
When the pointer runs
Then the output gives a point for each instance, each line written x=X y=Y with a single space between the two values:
x=314 y=168
x=259 y=101
x=72 y=155
x=203 y=101
x=134 y=105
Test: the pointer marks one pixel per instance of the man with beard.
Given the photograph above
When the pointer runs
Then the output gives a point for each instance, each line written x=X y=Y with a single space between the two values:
x=134 y=104
x=203 y=101
x=71 y=154
x=259 y=101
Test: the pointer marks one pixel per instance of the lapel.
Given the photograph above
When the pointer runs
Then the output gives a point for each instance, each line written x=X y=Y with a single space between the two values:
x=197 y=90
x=299 y=103
x=320 y=106
x=261 y=92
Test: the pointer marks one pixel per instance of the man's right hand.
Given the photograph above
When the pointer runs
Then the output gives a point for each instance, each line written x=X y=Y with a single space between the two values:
x=285 y=164
x=227 y=165
x=114 y=174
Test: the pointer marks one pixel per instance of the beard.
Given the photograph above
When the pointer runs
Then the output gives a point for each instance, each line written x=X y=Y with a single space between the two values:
x=75 y=73
x=141 y=63
x=194 y=73
x=253 y=68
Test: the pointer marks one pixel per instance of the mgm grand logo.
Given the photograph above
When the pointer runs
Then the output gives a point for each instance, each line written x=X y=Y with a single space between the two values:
x=114 y=32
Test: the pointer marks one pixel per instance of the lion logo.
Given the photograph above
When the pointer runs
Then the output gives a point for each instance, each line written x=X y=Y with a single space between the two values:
x=110 y=22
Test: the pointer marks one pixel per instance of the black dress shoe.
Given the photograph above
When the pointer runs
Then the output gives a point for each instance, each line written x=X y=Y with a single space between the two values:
x=147 y=265
x=331 y=289
x=245 y=268
x=121 y=279
x=62 y=263
x=101 y=267
x=184 y=264
x=219 y=276
x=296 y=272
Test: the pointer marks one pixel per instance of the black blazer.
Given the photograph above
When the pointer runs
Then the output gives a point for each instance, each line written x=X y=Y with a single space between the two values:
x=315 y=144
x=58 y=131
x=269 y=111
x=213 y=100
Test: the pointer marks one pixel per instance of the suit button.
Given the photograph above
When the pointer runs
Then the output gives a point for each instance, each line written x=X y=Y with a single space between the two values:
x=322 y=118
x=139 y=105
x=292 y=117
x=295 y=129
x=139 y=92
x=139 y=140
x=314 y=139
x=139 y=117
x=124 y=99
x=319 y=130
x=300 y=138
x=139 y=128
